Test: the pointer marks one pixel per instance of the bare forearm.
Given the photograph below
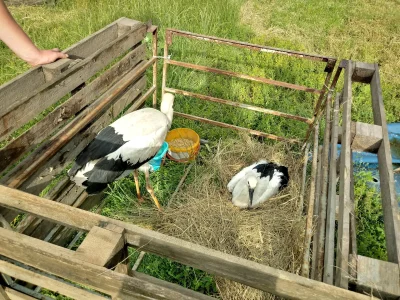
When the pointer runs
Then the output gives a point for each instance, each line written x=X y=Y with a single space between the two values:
x=14 y=37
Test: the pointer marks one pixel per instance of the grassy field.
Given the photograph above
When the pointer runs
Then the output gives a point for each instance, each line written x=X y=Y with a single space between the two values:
x=361 y=30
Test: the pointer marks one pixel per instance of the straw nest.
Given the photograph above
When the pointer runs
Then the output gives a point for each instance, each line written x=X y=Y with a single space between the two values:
x=203 y=214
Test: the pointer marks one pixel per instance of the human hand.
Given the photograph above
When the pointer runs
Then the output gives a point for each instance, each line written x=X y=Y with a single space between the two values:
x=45 y=57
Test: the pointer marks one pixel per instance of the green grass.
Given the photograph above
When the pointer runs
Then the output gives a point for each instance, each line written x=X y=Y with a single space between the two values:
x=361 y=30
x=370 y=228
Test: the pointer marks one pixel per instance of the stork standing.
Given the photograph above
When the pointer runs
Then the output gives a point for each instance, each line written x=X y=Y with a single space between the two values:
x=124 y=146
x=255 y=184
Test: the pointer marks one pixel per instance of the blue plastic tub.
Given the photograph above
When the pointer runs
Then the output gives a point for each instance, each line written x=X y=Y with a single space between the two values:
x=155 y=163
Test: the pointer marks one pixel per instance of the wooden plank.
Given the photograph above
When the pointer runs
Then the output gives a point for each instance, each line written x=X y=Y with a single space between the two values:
x=61 y=262
x=21 y=88
x=342 y=259
x=324 y=191
x=15 y=295
x=329 y=255
x=378 y=277
x=70 y=79
x=388 y=192
x=57 y=159
x=353 y=229
x=305 y=268
x=317 y=203
x=3 y=294
x=363 y=72
x=268 y=279
x=44 y=153
x=46 y=282
x=364 y=137
x=61 y=115
x=42 y=177
x=367 y=138
x=100 y=245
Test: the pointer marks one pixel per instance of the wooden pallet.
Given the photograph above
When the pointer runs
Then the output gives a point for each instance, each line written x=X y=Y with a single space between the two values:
x=103 y=78
x=114 y=236
x=369 y=275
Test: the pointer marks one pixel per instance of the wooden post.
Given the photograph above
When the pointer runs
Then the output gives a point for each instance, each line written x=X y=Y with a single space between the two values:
x=317 y=203
x=389 y=202
x=324 y=188
x=305 y=269
x=331 y=206
x=342 y=257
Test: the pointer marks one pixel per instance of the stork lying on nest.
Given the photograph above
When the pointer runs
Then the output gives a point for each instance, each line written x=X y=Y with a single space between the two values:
x=126 y=145
x=255 y=184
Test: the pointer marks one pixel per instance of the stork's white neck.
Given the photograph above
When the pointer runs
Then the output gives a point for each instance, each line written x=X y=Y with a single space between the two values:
x=166 y=108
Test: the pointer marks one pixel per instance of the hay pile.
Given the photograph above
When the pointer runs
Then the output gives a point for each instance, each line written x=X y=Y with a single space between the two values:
x=271 y=235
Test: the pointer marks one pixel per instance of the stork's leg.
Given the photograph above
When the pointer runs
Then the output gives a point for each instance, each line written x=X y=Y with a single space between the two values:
x=150 y=190
x=136 y=176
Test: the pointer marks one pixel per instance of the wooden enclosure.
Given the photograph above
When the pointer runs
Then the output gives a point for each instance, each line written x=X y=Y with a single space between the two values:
x=104 y=77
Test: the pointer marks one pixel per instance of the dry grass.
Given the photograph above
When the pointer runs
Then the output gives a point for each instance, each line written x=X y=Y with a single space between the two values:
x=271 y=235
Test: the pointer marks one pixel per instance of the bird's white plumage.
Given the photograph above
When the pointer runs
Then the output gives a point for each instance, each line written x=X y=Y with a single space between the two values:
x=251 y=178
x=124 y=145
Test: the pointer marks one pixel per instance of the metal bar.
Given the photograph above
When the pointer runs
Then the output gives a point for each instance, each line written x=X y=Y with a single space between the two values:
x=75 y=126
x=316 y=117
x=331 y=207
x=305 y=269
x=154 y=30
x=225 y=125
x=238 y=104
x=239 y=44
x=321 y=97
x=165 y=65
x=303 y=182
x=243 y=76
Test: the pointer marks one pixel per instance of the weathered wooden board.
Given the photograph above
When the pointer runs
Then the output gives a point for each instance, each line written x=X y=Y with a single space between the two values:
x=342 y=258
x=24 y=86
x=61 y=262
x=3 y=294
x=364 y=137
x=363 y=72
x=317 y=200
x=305 y=268
x=324 y=191
x=331 y=205
x=378 y=276
x=61 y=115
x=70 y=79
x=67 y=154
x=388 y=192
x=100 y=245
x=46 y=282
x=268 y=279
x=105 y=97
x=15 y=295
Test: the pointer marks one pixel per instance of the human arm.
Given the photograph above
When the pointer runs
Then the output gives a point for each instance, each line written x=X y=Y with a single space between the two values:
x=18 y=41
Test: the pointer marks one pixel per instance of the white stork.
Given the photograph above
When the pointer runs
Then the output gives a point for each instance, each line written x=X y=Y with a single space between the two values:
x=122 y=147
x=255 y=184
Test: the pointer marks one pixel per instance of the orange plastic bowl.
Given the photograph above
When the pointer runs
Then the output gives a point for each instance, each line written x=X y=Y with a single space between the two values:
x=184 y=144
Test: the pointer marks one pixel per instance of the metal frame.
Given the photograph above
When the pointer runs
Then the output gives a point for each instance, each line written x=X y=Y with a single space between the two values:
x=330 y=64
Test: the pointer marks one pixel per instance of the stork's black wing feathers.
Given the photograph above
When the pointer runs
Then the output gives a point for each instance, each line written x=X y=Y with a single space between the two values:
x=267 y=169
x=106 y=171
x=106 y=142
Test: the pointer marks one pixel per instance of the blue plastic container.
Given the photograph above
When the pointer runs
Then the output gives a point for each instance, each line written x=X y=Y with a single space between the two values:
x=155 y=163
